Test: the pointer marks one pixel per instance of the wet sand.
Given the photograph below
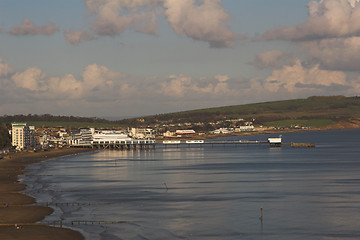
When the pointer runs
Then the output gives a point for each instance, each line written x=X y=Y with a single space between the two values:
x=17 y=216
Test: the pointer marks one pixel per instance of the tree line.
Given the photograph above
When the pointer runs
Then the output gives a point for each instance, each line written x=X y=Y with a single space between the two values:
x=49 y=118
x=5 y=140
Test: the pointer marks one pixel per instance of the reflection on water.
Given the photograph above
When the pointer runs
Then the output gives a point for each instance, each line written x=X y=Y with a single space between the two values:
x=215 y=192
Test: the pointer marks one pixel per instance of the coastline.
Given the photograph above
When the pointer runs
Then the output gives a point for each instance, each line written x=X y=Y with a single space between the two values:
x=340 y=126
x=16 y=208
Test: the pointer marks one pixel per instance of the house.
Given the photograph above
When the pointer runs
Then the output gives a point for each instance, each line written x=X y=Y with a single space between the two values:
x=185 y=132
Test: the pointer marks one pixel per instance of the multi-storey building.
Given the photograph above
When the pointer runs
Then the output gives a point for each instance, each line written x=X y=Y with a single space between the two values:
x=20 y=134
x=142 y=133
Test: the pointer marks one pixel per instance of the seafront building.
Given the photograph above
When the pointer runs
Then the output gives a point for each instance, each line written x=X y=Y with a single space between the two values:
x=185 y=132
x=87 y=136
x=20 y=135
x=142 y=133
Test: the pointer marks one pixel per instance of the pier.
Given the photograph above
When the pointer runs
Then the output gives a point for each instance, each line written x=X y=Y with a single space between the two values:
x=124 y=145
x=118 y=145
x=147 y=144
x=202 y=142
x=272 y=142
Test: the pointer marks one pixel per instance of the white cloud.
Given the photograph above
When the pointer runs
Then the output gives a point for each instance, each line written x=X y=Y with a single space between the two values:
x=327 y=19
x=76 y=37
x=271 y=58
x=5 y=69
x=206 y=22
x=97 y=77
x=102 y=84
x=29 y=28
x=102 y=90
x=176 y=86
x=182 y=86
x=39 y=85
x=65 y=87
x=222 y=78
x=335 y=53
x=330 y=36
x=112 y=17
x=297 y=78
x=32 y=79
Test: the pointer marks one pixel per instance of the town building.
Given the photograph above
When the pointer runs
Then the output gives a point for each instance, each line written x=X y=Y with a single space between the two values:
x=248 y=128
x=83 y=137
x=169 y=134
x=142 y=133
x=185 y=132
x=21 y=137
x=222 y=131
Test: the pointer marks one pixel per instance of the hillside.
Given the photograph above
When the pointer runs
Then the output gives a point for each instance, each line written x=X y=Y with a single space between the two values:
x=47 y=120
x=312 y=111
x=333 y=111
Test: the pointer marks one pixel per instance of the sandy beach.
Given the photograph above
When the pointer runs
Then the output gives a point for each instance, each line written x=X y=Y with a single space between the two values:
x=17 y=216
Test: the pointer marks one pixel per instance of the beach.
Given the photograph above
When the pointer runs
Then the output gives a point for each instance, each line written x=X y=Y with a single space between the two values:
x=18 y=215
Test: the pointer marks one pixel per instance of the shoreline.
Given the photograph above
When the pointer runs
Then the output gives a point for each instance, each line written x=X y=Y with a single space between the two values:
x=17 y=208
x=272 y=131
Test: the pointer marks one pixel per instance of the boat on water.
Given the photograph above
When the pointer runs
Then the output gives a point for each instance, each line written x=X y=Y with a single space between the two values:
x=275 y=141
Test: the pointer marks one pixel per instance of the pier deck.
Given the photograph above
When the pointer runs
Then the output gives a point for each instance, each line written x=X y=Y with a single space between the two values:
x=146 y=144
x=213 y=142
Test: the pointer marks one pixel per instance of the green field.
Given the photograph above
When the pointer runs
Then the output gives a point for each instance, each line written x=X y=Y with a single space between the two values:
x=312 y=111
x=302 y=123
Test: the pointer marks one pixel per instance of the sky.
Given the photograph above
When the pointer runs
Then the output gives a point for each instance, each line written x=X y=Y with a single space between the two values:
x=129 y=58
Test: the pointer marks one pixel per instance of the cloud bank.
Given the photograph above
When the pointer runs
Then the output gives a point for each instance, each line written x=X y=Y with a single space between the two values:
x=76 y=37
x=112 y=17
x=29 y=28
x=329 y=37
x=296 y=78
x=204 y=20
x=32 y=88
x=327 y=19
x=271 y=59
x=201 y=20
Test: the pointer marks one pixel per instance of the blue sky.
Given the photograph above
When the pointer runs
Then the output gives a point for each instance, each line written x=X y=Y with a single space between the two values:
x=141 y=57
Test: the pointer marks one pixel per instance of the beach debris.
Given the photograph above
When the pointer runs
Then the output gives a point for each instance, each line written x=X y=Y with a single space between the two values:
x=18 y=227
x=166 y=186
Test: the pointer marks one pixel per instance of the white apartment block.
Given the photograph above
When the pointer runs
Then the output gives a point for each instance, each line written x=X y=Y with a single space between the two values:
x=20 y=135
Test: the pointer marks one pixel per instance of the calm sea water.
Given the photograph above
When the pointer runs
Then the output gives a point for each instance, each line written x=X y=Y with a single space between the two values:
x=211 y=192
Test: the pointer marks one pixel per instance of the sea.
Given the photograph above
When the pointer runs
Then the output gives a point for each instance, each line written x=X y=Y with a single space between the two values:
x=219 y=191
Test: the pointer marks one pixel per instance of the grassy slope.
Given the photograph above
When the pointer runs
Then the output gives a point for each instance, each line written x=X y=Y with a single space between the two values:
x=313 y=111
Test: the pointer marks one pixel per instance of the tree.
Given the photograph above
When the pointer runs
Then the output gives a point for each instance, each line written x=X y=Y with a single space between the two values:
x=5 y=140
